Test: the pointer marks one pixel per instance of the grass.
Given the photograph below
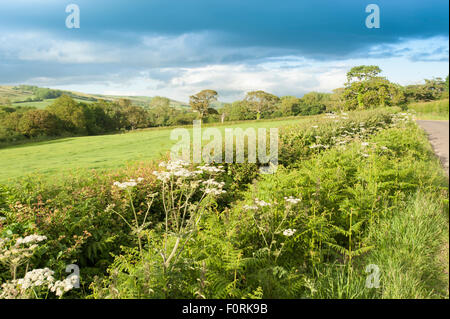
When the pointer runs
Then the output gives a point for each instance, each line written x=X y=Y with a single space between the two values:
x=409 y=247
x=43 y=104
x=434 y=110
x=55 y=157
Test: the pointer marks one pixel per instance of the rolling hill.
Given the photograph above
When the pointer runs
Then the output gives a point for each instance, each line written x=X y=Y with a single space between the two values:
x=25 y=95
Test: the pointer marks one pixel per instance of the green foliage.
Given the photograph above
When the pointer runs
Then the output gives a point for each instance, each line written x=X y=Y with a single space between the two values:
x=433 y=89
x=238 y=111
x=313 y=103
x=261 y=102
x=352 y=189
x=73 y=115
x=301 y=141
x=39 y=123
x=431 y=110
x=371 y=91
x=201 y=101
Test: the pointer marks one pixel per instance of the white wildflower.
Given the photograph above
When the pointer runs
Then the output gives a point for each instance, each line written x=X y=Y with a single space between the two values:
x=62 y=286
x=292 y=200
x=261 y=203
x=30 y=240
x=125 y=185
x=211 y=169
x=289 y=232
x=36 y=278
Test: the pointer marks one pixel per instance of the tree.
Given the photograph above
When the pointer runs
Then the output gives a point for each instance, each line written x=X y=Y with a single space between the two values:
x=288 y=106
x=261 y=102
x=201 y=101
x=363 y=73
x=433 y=89
x=365 y=89
x=159 y=101
x=237 y=111
x=124 y=102
x=336 y=101
x=39 y=123
x=313 y=103
x=136 y=117
x=73 y=115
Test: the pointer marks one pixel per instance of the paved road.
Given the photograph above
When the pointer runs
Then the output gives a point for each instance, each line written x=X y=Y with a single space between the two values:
x=438 y=135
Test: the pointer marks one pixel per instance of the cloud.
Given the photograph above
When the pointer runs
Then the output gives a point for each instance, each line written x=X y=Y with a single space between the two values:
x=176 y=48
x=431 y=49
x=321 y=29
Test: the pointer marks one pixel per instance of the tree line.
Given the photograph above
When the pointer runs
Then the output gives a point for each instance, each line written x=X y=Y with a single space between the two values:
x=364 y=89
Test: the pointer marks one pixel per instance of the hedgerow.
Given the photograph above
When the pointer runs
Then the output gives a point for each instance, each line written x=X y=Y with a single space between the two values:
x=193 y=231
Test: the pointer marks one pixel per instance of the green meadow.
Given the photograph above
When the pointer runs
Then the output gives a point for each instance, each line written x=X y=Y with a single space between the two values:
x=56 y=157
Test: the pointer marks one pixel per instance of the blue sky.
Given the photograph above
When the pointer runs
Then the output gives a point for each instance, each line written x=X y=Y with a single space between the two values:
x=177 y=48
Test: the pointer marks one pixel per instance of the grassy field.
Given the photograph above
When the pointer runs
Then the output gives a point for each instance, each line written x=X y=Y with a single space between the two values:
x=43 y=104
x=434 y=110
x=97 y=152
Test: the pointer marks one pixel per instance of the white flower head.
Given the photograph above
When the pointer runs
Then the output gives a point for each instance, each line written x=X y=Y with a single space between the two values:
x=292 y=200
x=262 y=203
x=289 y=232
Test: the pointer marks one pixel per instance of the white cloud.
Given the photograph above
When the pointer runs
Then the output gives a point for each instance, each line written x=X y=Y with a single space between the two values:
x=178 y=66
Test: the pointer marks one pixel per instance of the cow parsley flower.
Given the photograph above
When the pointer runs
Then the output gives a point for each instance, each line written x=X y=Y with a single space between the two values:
x=289 y=232
x=261 y=203
x=32 y=239
x=62 y=286
x=292 y=200
x=37 y=278
x=125 y=185
x=211 y=169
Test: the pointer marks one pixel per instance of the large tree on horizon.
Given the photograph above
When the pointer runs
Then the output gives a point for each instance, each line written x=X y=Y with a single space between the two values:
x=365 y=88
x=201 y=101
x=260 y=102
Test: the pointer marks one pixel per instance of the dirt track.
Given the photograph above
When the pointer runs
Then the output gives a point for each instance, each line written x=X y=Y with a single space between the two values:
x=438 y=135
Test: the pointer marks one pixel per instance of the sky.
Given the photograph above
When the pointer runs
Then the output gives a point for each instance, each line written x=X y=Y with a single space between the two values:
x=176 y=48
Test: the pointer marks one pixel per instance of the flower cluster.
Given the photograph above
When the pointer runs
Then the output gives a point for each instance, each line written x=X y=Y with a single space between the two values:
x=130 y=183
x=292 y=200
x=62 y=286
x=213 y=187
x=319 y=146
x=250 y=207
x=261 y=203
x=211 y=169
x=175 y=169
x=22 y=249
x=289 y=232
x=32 y=239
x=37 y=278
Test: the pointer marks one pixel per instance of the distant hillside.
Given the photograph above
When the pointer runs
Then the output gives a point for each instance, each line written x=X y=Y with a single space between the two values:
x=28 y=95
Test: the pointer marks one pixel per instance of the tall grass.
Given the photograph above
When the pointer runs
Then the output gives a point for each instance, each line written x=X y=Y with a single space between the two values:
x=409 y=245
x=434 y=110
